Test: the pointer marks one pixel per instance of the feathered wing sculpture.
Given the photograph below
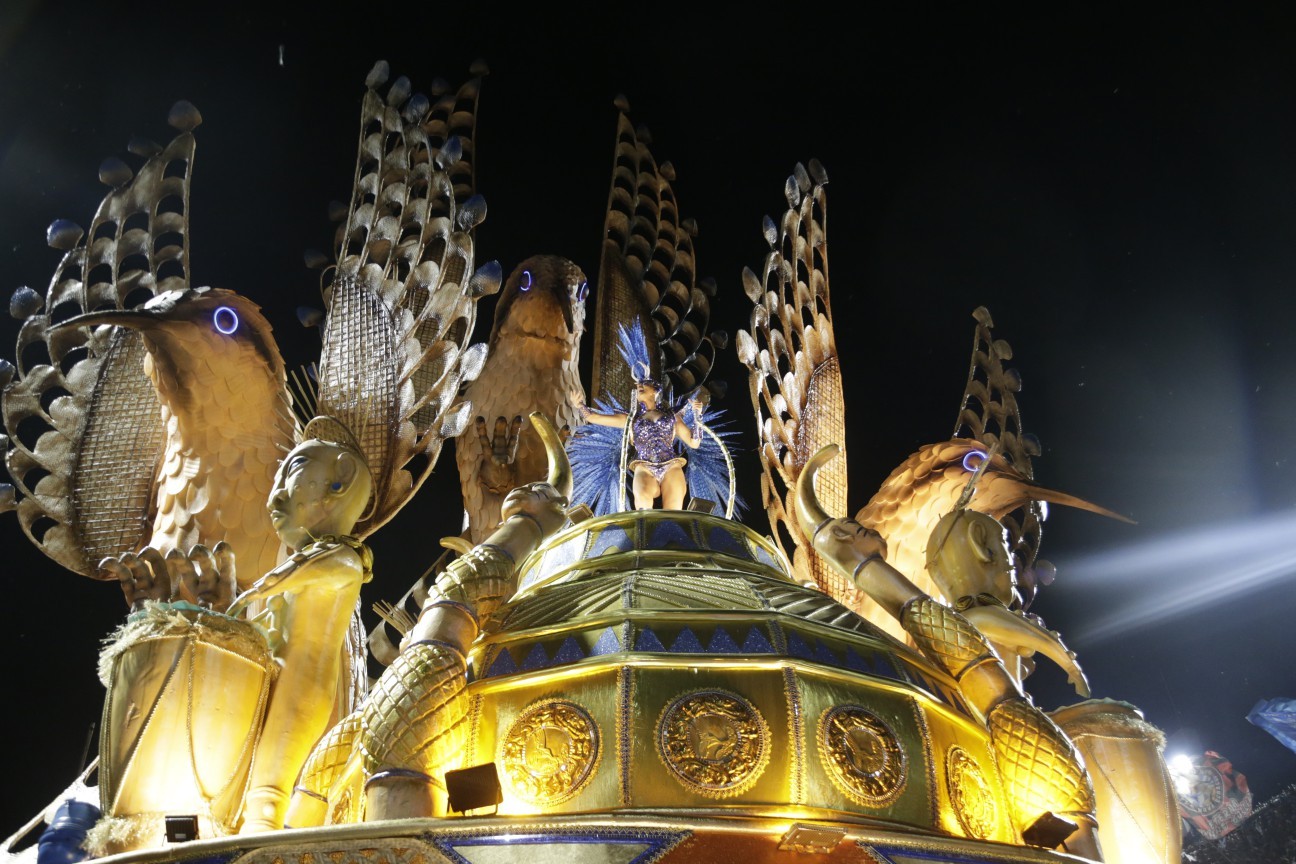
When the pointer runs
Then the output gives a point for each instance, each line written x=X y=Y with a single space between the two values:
x=647 y=274
x=402 y=298
x=136 y=423
x=795 y=375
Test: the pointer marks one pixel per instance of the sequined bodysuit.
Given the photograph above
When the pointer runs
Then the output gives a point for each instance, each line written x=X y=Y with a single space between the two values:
x=654 y=442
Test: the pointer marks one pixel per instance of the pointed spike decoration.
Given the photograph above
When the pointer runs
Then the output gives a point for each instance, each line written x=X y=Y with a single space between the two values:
x=63 y=234
x=486 y=280
x=708 y=285
x=8 y=497
x=417 y=108
x=792 y=192
x=309 y=316
x=479 y=68
x=802 y=178
x=399 y=92
x=720 y=339
x=472 y=213
x=752 y=286
x=667 y=170
x=25 y=302
x=315 y=259
x=438 y=88
x=143 y=147
x=451 y=152
x=770 y=230
x=184 y=116
x=818 y=173
x=114 y=172
x=644 y=136
x=621 y=103
x=6 y=375
x=337 y=211
x=378 y=75
x=690 y=227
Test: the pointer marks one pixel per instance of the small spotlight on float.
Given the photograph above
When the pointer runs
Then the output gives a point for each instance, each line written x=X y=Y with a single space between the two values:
x=181 y=829
x=474 y=788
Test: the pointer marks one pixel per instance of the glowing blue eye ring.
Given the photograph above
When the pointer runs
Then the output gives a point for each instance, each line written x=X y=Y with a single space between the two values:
x=225 y=320
x=582 y=291
x=526 y=281
x=972 y=460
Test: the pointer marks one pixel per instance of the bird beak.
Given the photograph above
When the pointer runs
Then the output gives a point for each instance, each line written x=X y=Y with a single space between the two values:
x=1052 y=496
x=131 y=318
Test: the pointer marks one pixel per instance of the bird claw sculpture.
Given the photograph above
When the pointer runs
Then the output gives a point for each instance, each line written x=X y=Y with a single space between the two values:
x=499 y=451
x=204 y=577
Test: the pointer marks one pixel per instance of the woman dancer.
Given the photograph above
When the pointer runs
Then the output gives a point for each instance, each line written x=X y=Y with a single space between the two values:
x=658 y=471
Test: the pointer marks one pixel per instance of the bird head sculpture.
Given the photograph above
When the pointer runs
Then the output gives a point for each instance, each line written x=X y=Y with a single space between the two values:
x=543 y=298
x=197 y=338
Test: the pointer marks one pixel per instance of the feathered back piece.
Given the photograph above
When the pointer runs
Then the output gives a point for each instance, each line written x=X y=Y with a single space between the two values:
x=635 y=354
x=647 y=274
x=137 y=246
x=989 y=414
x=794 y=373
x=403 y=296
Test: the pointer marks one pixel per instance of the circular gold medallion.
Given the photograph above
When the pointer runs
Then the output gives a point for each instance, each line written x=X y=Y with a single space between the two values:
x=550 y=751
x=971 y=795
x=715 y=743
x=862 y=755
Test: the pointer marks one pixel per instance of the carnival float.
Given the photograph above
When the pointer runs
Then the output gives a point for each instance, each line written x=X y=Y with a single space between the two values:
x=582 y=676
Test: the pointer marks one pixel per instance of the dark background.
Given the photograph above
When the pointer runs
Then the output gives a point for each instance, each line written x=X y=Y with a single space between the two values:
x=1119 y=190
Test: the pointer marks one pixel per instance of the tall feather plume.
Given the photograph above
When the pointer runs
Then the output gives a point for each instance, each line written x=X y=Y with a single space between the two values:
x=80 y=407
x=794 y=374
x=647 y=274
x=402 y=299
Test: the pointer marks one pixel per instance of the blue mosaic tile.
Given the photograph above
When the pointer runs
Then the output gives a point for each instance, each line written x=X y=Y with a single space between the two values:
x=686 y=642
x=669 y=534
x=760 y=554
x=722 y=643
x=796 y=647
x=857 y=663
x=648 y=641
x=756 y=643
x=726 y=543
x=607 y=643
x=536 y=658
x=613 y=538
x=503 y=664
x=569 y=651
x=825 y=655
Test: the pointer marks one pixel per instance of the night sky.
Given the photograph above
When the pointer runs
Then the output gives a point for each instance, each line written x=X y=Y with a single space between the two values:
x=1119 y=191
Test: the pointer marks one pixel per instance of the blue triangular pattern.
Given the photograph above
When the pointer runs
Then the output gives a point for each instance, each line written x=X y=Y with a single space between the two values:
x=796 y=647
x=722 y=643
x=686 y=643
x=825 y=655
x=536 y=658
x=648 y=641
x=613 y=538
x=856 y=662
x=885 y=668
x=762 y=556
x=723 y=541
x=756 y=643
x=669 y=534
x=569 y=651
x=607 y=643
x=503 y=664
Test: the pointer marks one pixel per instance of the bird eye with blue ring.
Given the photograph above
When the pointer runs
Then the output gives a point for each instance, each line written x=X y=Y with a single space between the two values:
x=526 y=281
x=225 y=320
x=582 y=291
x=972 y=460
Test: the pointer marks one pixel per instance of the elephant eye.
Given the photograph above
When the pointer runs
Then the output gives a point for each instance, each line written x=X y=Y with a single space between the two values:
x=972 y=460
x=526 y=281
x=582 y=291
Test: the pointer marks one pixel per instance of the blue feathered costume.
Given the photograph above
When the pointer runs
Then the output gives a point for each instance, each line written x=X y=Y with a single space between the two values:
x=598 y=453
